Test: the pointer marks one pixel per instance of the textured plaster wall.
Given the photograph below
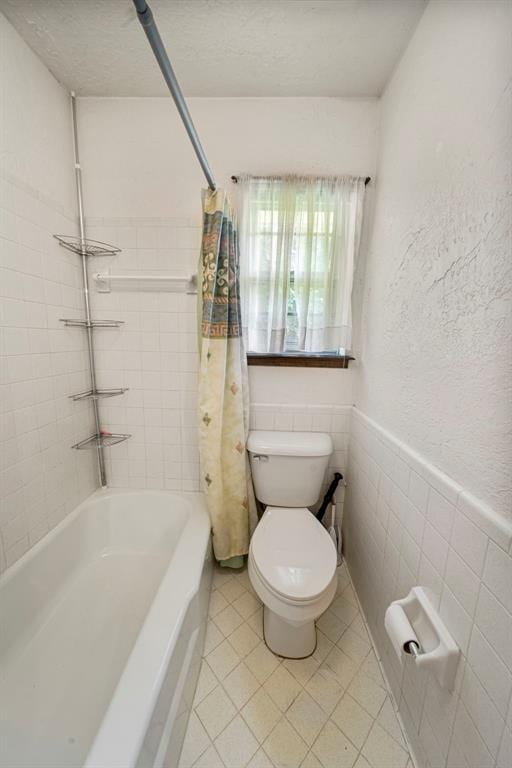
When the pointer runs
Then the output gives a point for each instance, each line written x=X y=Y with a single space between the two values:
x=436 y=365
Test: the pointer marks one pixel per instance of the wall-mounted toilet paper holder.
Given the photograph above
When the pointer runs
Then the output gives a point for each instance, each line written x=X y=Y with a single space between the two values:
x=415 y=628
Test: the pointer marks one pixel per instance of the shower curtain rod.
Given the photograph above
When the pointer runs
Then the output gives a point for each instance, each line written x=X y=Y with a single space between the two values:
x=148 y=23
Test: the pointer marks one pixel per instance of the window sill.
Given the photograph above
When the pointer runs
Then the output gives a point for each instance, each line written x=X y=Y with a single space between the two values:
x=293 y=360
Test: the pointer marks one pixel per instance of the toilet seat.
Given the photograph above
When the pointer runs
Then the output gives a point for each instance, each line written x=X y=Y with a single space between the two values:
x=293 y=555
x=278 y=596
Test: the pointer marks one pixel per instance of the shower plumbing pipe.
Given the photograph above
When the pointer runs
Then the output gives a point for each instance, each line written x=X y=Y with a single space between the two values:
x=148 y=23
x=87 y=304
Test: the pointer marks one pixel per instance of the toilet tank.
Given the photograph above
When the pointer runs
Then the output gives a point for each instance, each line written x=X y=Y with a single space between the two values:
x=288 y=468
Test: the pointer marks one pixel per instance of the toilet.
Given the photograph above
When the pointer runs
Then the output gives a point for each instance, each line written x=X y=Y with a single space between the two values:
x=292 y=560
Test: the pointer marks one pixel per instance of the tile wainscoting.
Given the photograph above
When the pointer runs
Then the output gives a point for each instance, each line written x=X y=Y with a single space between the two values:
x=154 y=354
x=333 y=419
x=42 y=363
x=405 y=524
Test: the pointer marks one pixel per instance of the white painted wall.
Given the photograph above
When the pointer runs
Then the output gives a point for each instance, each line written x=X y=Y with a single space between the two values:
x=36 y=124
x=295 y=386
x=142 y=191
x=138 y=160
x=429 y=476
x=41 y=478
x=436 y=365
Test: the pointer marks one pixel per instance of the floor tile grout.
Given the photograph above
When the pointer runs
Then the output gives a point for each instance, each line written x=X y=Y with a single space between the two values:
x=290 y=689
x=390 y=693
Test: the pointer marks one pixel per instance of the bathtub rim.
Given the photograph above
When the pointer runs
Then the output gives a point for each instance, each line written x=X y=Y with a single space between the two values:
x=97 y=495
x=122 y=729
x=121 y=734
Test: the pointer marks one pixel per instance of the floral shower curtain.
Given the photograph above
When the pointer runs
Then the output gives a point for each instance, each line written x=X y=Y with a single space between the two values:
x=223 y=385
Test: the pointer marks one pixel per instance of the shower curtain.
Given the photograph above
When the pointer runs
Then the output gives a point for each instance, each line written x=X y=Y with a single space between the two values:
x=223 y=385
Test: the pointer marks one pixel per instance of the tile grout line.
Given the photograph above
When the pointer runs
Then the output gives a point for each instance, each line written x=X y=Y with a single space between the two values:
x=383 y=672
x=301 y=683
x=479 y=548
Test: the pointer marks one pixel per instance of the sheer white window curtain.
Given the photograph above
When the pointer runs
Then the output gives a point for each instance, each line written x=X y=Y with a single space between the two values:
x=299 y=242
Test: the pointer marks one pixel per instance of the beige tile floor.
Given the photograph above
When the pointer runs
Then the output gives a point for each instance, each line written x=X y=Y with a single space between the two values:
x=255 y=709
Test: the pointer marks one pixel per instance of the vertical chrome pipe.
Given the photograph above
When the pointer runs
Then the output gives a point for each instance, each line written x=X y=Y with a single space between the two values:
x=87 y=304
x=147 y=21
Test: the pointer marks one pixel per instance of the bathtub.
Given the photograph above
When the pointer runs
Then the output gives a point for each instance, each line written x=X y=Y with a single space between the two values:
x=102 y=632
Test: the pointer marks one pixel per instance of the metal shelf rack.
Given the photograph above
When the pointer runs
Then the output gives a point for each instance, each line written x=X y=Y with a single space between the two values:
x=100 y=441
x=86 y=247
x=98 y=394
x=72 y=322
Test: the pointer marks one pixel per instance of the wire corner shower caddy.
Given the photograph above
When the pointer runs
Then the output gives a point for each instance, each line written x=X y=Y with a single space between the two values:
x=85 y=248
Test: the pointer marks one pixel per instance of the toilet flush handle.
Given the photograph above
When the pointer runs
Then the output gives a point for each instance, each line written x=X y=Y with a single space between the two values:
x=260 y=457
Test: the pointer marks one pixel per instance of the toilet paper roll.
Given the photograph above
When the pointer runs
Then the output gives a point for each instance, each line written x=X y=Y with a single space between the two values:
x=399 y=629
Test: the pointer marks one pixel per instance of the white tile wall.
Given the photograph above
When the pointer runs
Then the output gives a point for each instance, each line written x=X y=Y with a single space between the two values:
x=333 y=419
x=406 y=523
x=41 y=478
x=154 y=353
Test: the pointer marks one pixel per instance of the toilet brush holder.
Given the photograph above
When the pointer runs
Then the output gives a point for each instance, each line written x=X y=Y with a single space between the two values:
x=416 y=630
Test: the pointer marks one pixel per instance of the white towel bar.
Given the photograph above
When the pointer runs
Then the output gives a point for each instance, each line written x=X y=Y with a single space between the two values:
x=183 y=282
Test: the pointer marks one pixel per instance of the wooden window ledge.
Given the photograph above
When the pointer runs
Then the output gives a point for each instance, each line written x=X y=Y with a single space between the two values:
x=293 y=360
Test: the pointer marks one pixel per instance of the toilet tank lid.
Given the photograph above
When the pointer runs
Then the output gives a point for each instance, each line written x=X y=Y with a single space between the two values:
x=289 y=443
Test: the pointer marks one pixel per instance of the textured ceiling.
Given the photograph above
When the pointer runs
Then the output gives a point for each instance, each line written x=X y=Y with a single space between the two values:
x=221 y=47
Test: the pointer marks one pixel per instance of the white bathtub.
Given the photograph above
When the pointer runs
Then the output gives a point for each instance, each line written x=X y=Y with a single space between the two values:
x=102 y=630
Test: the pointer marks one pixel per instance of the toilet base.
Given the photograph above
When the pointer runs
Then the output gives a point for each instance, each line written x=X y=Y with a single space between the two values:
x=293 y=640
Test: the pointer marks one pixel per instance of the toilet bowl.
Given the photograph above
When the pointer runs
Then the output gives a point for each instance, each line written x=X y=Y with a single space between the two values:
x=292 y=568
x=292 y=560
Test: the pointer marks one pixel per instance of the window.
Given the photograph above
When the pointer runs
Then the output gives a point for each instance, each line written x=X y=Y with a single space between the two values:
x=299 y=240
